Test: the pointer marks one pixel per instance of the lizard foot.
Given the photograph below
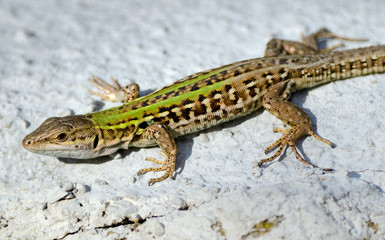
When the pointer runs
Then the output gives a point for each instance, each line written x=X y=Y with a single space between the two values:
x=289 y=137
x=167 y=165
x=115 y=93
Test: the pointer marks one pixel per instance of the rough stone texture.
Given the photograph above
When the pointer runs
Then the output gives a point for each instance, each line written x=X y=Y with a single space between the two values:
x=48 y=50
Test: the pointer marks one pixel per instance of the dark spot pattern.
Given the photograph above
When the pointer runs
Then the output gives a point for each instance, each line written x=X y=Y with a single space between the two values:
x=250 y=80
x=187 y=101
x=143 y=125
x=283 y=61
x=214 y=92
x=175 y=118
x=195 y=87
x=215 y=105
x=186 y=113
x=264 y=75
x=252 y=91
x=199 y=109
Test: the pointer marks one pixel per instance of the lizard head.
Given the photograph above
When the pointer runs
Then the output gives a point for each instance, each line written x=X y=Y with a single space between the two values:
x=67 y=137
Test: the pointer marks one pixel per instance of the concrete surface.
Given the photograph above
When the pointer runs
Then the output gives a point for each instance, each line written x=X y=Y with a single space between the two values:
x=48 y=49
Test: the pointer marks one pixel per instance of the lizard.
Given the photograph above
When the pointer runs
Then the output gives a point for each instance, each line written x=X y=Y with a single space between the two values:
x=206 y=99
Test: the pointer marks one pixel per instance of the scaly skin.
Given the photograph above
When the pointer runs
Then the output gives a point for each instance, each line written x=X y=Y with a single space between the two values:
x=206 y=99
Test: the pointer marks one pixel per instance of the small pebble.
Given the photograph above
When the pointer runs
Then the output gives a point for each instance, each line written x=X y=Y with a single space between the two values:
x=177 y=203
x=133 y=179
x=68 y=186
x=158 y=229
x=203 y=138
x=42 y=206
x=81 y=188
x=6 y=122
x=101 y=182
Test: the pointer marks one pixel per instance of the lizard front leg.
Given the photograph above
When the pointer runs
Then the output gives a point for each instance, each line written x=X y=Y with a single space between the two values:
x=115 y=93
x=275 y=101
x=166 y=142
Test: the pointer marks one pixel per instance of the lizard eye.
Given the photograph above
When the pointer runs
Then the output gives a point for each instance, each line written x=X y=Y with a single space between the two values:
x=62 y=137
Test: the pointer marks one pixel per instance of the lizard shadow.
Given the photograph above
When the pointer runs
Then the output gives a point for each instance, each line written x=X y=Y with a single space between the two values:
x=98 y=160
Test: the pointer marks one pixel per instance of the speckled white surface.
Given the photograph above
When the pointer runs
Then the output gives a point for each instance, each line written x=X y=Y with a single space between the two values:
x=48 y=49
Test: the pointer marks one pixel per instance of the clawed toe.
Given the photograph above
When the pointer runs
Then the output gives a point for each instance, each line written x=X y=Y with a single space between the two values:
x=115 y=93
x=111 y=93
x=167 y=165
x=290 y=137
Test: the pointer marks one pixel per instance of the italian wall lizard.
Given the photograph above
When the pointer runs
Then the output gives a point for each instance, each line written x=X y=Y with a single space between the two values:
x=206 y=99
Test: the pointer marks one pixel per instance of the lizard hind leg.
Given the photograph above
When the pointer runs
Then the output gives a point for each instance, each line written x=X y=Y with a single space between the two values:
x=275 y=101
x=324 y=33
x=308 y=45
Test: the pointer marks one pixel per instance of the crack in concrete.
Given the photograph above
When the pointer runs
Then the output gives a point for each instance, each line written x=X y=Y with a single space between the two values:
x=125 y=221
x=69 y=233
